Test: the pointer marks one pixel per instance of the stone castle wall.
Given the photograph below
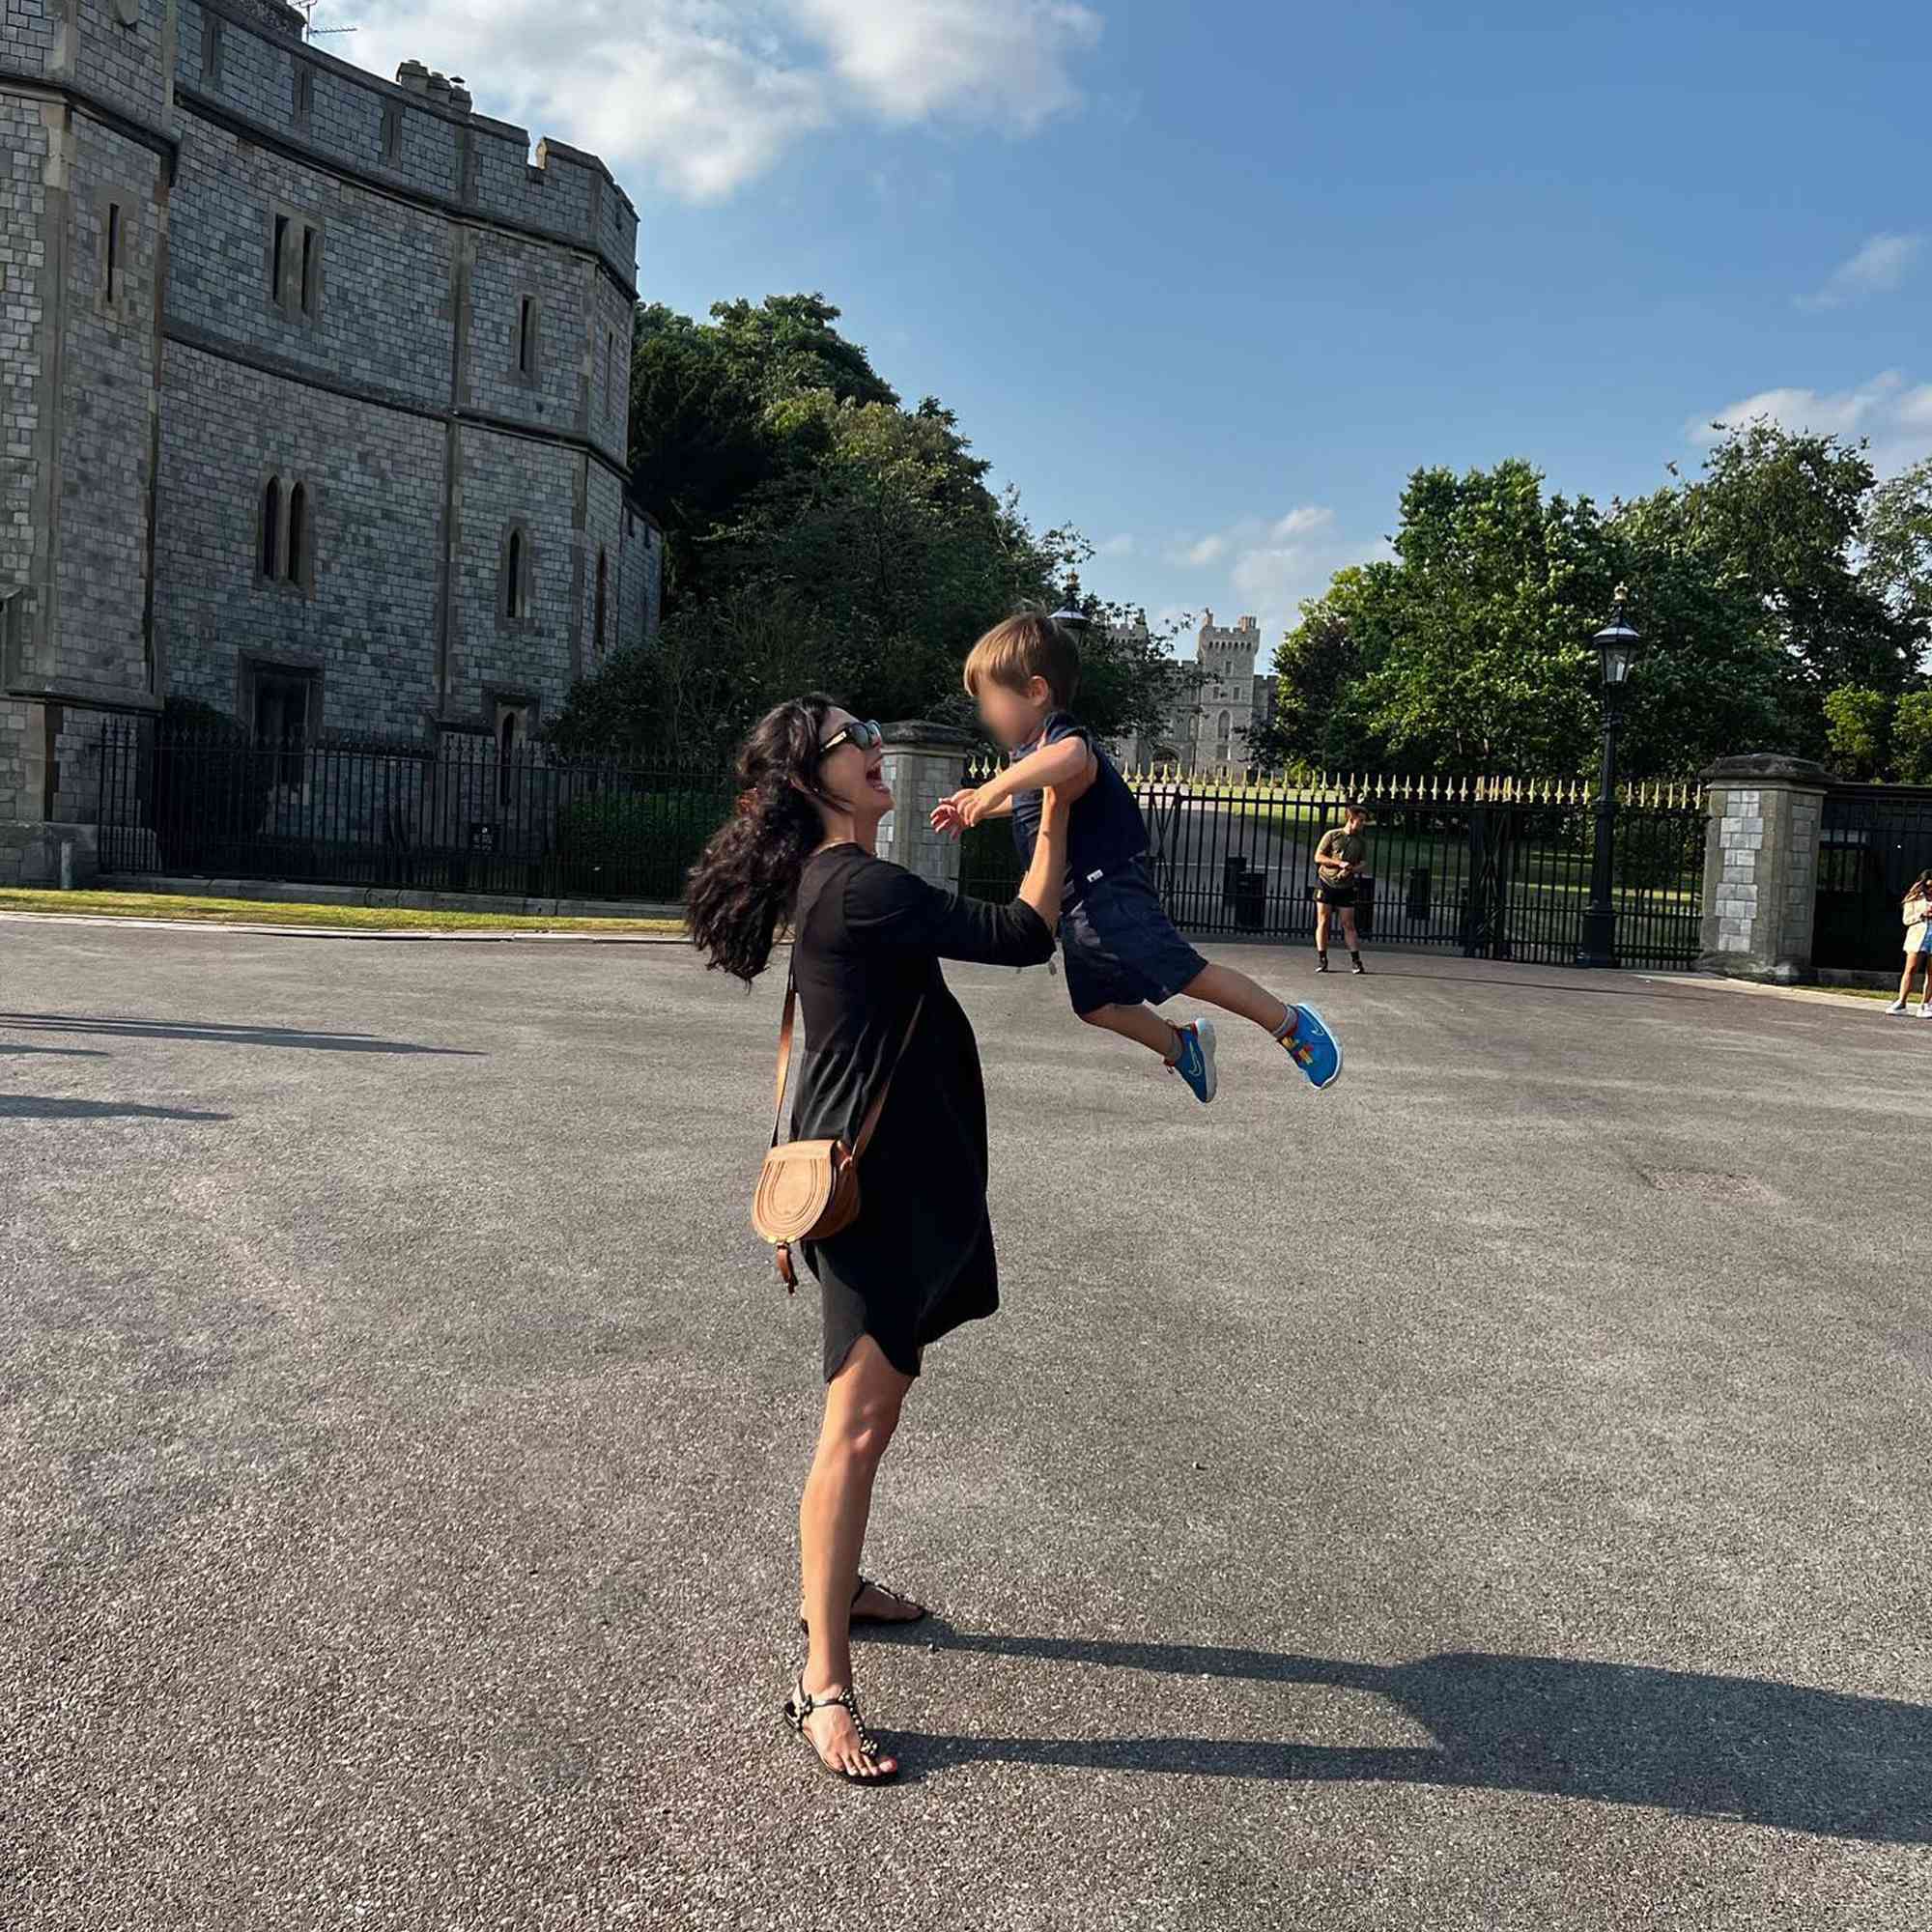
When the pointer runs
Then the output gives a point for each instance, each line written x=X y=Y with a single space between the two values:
x=139 y=431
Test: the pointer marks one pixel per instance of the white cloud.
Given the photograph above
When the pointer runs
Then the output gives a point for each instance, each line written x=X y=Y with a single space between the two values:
x=1893 y=414
x=1272 y=563
x=1120 y=546
x=1205 y=551
x=1876 y=270
x=706 y=95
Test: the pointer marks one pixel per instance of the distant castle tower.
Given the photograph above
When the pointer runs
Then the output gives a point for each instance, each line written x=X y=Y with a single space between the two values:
x=1214 y=729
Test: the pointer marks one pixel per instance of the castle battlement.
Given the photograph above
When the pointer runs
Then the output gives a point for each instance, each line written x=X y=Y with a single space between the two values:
x=318 y=397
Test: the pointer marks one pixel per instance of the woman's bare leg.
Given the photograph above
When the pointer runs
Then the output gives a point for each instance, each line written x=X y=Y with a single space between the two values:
x=861 y=1410
x=1905 y=978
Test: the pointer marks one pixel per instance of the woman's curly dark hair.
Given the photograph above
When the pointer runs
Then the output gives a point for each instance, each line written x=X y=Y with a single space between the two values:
x=746 y=880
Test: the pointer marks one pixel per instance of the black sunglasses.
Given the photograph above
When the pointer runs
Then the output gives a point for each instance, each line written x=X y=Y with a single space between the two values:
x=864 y=732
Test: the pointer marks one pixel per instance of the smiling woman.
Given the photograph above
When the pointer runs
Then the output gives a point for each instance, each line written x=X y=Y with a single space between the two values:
x=889 y=1051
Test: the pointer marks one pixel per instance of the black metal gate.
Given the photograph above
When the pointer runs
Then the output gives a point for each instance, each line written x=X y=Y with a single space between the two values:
x=1873 y=841
x=1496 y=869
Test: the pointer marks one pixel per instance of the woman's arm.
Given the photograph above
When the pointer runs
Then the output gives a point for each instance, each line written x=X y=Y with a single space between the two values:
x=1046 y=876
x=888 y=906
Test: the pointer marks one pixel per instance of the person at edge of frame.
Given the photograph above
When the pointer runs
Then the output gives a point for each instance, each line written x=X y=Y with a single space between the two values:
x=1339 y=861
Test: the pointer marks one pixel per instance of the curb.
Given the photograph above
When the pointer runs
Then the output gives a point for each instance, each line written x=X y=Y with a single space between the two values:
x=282 y=891
x=388 y=933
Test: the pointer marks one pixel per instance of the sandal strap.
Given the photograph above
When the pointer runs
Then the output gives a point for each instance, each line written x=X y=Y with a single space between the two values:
x=804 y=1702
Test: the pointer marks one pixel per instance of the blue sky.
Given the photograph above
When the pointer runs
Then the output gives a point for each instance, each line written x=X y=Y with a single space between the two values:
x=1210 y=281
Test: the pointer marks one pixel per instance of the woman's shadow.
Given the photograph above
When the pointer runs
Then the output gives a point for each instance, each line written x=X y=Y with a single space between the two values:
x=1734 y=1748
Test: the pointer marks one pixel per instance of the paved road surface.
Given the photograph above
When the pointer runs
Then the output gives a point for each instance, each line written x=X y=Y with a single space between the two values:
x=1493 y=1496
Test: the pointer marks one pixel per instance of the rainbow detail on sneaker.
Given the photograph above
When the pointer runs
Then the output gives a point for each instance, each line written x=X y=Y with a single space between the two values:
x=1313 y=1047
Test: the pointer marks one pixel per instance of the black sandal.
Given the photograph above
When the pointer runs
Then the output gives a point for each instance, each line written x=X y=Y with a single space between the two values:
x=870 y=1617
x=800 y=1706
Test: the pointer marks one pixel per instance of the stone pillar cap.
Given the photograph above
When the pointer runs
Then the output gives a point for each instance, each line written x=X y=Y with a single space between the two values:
x=1759 y=766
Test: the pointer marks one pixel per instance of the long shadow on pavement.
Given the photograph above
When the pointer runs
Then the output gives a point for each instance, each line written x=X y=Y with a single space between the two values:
x=1734 y=1748
x=225 y=1035
x=49 y=1107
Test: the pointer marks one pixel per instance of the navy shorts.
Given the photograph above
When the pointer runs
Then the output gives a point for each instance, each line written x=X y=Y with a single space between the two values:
x=1120 y=946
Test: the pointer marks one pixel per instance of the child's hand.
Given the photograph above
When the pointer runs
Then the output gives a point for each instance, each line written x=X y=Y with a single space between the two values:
x=945 y=814
x=974 y=806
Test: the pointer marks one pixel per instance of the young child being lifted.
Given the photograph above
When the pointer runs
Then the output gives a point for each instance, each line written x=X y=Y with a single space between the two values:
x=1123 y=956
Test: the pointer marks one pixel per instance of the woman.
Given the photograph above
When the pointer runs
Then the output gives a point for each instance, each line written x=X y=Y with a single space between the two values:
x=867 y=941
x=1918 y=911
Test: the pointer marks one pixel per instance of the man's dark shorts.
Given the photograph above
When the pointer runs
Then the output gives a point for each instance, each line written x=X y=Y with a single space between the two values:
x=1343 y=895
x=1120 y=946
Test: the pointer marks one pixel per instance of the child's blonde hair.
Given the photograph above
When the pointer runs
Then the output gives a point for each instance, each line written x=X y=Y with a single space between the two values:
x=1027 y=645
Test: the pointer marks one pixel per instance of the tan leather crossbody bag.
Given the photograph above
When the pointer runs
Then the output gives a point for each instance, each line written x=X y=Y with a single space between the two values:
x=809 y=1190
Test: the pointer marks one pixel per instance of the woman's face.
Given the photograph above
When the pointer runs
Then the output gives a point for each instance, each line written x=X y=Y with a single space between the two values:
x=852 y=776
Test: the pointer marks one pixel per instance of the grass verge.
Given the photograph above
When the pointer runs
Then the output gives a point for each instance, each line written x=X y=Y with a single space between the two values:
x=341 y=919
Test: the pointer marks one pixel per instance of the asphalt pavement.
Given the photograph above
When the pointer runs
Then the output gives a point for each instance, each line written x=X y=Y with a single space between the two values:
x=1490 y=1495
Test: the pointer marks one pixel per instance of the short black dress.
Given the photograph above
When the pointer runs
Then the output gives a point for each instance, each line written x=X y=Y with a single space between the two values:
x=869 y=937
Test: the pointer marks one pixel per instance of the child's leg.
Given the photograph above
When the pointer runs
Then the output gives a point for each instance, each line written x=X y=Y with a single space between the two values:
x=1235 y=992
x=1141 y=1024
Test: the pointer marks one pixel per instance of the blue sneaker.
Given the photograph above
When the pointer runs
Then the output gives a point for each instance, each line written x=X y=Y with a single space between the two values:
x=1314 y=1048
x=1195 y=1062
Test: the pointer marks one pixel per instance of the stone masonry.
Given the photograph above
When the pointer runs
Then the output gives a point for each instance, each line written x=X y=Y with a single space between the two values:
x=314 y=398
x=923 y=763
x=1761 y=866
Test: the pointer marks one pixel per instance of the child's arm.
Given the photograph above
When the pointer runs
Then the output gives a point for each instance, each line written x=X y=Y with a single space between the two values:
x=945 y=814
x=1067 y=766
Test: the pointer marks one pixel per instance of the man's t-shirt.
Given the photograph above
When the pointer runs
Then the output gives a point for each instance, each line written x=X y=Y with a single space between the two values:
x=1339 y=846
x=1105 y=831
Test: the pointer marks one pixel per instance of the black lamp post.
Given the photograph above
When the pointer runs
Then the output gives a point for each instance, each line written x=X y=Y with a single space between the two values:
x=1069 y=611
x=1617 y=646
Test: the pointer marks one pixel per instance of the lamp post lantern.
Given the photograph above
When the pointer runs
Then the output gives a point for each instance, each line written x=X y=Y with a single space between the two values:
x=1617 y=647
x=1069 y=611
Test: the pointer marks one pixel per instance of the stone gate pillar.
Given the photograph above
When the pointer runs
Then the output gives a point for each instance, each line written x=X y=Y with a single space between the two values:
x=925 y=764
x=1761 y=866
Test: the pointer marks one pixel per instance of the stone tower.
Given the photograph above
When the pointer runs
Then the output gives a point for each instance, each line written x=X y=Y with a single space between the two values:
x=86 y=125
x=1231 y=702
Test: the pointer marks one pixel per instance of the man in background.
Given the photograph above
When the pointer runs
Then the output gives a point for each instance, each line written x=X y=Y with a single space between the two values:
x=1339 y=859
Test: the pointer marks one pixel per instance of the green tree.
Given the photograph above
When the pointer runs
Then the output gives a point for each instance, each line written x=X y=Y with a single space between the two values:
x=1780 y=513
x=1897 y=539
x=1857 y=728
x=1911 y=738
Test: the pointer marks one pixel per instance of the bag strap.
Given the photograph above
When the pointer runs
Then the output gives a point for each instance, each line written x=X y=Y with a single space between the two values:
x=878 y=1106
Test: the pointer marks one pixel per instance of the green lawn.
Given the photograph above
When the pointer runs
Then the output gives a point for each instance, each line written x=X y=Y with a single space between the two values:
x=346 y=919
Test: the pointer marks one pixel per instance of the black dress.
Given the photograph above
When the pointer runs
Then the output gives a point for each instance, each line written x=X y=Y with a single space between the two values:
x=869 y=939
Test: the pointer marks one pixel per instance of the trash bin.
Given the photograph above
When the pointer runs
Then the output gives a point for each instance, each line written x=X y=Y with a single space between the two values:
x=1418 y=896
x=1232 y=869
x=1251 y=895
x=1365 y=906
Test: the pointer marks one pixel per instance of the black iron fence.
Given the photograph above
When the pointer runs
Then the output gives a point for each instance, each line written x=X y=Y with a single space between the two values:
x=1873 y=841
x=1496 y=868
x=459 y=816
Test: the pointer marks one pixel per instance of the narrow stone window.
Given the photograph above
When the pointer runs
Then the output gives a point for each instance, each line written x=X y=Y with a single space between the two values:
x=516 y=578
x=279 y=262
x=527 y=338
x=311 y=265
x=602 y=595
x=609 y=368
x=392 y=134
x=210 y=48
x=304 y=94
x=271 y=528
x=113 y=288
x=298 y=557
